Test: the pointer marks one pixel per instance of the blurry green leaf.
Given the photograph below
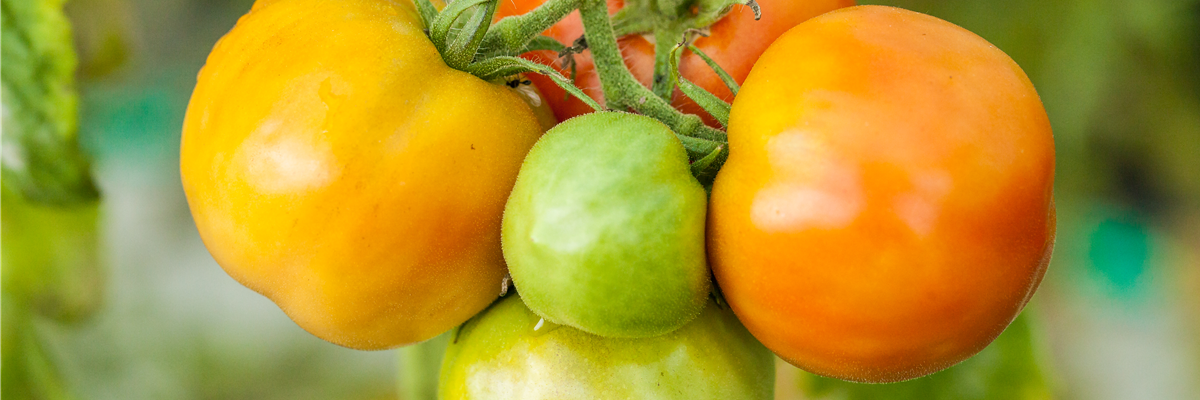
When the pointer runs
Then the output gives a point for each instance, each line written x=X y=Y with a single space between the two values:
x=1006 y=370
x=103 y=35
x=25 y=366
x=50 y=256
x=41 y=156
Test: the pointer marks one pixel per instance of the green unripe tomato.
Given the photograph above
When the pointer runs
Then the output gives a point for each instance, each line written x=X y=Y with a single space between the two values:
x=508 y=352
x=604 y=230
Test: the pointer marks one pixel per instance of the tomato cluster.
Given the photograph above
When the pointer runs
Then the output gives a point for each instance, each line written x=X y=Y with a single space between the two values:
x=885 y=210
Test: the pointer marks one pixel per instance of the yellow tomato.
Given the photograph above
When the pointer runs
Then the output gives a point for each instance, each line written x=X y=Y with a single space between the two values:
x=886 y=209
x=335 y=164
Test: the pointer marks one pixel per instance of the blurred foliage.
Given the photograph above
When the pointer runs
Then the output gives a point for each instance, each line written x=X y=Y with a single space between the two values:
x=26 y=371
x=102 y=35
x=41 y=156
x=1008 y=369
x=48 y=201
x=50 y=256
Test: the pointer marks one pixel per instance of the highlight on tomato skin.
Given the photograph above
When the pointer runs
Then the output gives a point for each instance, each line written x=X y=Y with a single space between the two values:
x=886 y=209
x=357 y=193
x=735 y=43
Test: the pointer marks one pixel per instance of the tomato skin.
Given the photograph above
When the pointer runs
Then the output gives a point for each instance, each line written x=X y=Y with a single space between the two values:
x=604 y=230
x=886 y=209
x=335 y=164
x=508 y=352
x=735 y=43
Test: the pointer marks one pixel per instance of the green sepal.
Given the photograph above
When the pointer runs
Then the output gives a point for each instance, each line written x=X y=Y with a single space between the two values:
x=708 y=12
x=725 y=77
x=716 y=107
x=705 y=169
x=41 y=155
x=712 y=104
x=462 y=40
x=698 y=148
x=428 y=12
x=499 y=67
x=543 y=43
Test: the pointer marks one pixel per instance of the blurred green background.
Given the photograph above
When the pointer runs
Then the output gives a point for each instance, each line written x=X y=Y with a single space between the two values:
x=1118 y=316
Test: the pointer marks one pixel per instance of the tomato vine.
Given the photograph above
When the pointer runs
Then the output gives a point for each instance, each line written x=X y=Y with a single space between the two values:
x=462 y=32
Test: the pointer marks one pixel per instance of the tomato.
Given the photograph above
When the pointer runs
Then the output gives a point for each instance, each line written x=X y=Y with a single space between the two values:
x=604 y=230
x=508 y=352
x=886 y=209
x=335 y=164
x=734 y=42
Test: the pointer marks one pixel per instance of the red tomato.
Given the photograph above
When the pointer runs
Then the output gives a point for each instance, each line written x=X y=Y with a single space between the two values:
x=886 y=209
x=735 y=43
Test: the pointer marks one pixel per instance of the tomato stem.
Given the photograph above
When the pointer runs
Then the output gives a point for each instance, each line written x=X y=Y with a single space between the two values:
x=623 y=91
x=512 y=35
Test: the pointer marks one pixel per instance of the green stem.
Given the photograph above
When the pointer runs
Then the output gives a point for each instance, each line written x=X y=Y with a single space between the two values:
x=623 y=91
x=510 y=36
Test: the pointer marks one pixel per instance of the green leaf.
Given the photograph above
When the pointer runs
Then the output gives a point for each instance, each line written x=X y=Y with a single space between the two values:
x=41 y=156
x=1008 y=369
x=458 y=39
x=28 y=369
x=51 y=257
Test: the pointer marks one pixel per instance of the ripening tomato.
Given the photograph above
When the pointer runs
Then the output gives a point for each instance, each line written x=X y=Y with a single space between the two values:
x=886 y=209
x=734 y=42
x=604 y=230
x=335 y=164
x=508 y=352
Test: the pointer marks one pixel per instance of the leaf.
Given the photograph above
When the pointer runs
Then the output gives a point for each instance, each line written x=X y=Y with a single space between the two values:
x=51 y=257
x=41 y=155
x=28 y=368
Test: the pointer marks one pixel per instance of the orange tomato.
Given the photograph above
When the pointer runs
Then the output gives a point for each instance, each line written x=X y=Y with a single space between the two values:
x=735 y=42
x=886 y=209
x=335 y=164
